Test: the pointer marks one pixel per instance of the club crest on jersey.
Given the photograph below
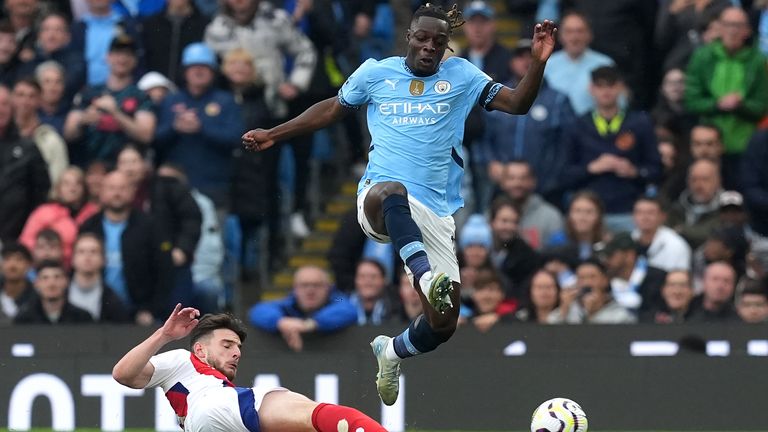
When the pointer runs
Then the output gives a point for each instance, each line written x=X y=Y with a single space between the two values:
x=442 y=87
x=416 y=87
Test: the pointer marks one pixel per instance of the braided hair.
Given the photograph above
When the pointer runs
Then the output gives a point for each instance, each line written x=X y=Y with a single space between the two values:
x=451 y=16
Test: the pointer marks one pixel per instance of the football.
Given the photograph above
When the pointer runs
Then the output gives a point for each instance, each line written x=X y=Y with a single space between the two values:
x=559 y=415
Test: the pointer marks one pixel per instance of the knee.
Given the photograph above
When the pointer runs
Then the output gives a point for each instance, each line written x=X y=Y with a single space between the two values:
x=391 y=188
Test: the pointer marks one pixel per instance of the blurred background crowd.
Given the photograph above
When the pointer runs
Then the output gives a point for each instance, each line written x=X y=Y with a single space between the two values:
x=634 y=190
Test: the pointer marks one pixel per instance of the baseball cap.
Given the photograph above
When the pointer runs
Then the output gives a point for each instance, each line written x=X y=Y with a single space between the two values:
x=198 y=54
x=730 y=198
x=620 y=242
x=154 y=79
x=476 y=232
x=478 y=7
x=123 y=42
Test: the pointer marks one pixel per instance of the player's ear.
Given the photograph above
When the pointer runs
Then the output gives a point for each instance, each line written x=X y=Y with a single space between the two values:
x=199 y=351
x=408 y=35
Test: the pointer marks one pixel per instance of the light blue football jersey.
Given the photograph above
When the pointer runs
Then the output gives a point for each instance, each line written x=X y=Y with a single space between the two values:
x=417 y=125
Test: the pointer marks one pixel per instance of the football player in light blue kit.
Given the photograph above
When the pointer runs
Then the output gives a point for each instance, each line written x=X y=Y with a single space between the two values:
x=417 y=106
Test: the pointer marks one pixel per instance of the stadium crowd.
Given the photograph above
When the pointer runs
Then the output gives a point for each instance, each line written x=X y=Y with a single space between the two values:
x=634 y=190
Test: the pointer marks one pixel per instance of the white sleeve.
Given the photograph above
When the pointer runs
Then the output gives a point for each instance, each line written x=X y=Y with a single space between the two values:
x=167 y=366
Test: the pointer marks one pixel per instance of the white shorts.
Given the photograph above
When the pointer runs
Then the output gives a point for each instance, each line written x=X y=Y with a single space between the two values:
x=226 y=409
x=438 y=233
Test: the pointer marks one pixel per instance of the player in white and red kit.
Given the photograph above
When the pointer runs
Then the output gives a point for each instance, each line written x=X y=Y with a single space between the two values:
x=199 y=387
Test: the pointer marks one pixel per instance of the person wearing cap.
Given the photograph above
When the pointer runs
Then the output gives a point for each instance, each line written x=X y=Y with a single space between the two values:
x=534 y=137
x=200 y=125
x=167 y=33
x=664 y=248
x=569 y=69
x=106 y=116
x=92 y=35
x=483 y=49
x=611 y=151
x=157 y=87
x=635 y=284
x=695 y=213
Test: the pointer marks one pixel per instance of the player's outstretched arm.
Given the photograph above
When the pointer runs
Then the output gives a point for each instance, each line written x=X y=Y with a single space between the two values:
x=315 y=117
x=134 y=369
x=520 y=99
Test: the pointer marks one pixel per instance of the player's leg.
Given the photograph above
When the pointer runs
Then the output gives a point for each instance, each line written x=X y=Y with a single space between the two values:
x=387 y=210
x=286 y=411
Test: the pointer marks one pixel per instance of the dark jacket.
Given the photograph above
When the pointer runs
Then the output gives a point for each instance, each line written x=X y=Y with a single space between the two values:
x=345 y=252
x=146 y=264
x=33 y=313
x=165 y=39
x=176 y=215
x=754 y=178
x=725 y=314
x=24 y=183
x=27 y=296
x=112 y=308
x=70 y=58
x=519 y=264
x=634 y=141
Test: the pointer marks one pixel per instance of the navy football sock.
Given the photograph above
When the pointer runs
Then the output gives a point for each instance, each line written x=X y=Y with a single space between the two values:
x=418 y=338
x=405 y=235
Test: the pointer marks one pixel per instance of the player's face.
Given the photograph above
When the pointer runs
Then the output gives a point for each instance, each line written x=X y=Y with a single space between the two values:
x=221 y=351
x=427 y=42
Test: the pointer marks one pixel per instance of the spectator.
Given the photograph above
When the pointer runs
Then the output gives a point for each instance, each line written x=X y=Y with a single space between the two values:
x=583 y=228
x=677 y=294
x=752 y=304
x=542 y=298
x=209 y=254
x=93 y=36
x=25 y=99
x=726 y=84
x=94 y=176
x=64 y=214
x=715 y=303
x=25 y=183
x=706 y=142
x=51 y=306
x=157 y=87
x=511 y=255
x=591 y=301
x=475 y=242
x=176 y=216
x=53 y=43
x=534 y=137
x=483 y=49
x=346 y=249
x=257 y=207
x=22 y=15
x=168 y=32
x=732 y=212
x=54 y=105
x=200 y=126
x=106 y=116
x=137 y=267
x=634 y=283
x=271 y=37
x=755 y=181
x=611 y=151
x=410 y=304
x=663 y=247
x=568 y=70
x=138 y=9
x=87 y=289
x=16 y=291
x=48 y=247
x=670 y=106
x=9 y=60
x=726 y=244
x=695 y=214
x=681 y=27
x=313 y=306
x=370 y=298
x=539 y=220
x=489 y=303
x=633 y=50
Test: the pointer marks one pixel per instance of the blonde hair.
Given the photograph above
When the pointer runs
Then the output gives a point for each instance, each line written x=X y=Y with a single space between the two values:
x=81 y=178
x=240 y=55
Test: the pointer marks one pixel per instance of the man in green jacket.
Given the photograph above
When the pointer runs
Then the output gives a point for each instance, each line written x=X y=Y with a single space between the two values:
x=727 y=84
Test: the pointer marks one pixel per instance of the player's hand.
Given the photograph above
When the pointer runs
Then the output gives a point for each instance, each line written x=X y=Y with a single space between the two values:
x=543 y=40
x=180 y=323
x=257 y=140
